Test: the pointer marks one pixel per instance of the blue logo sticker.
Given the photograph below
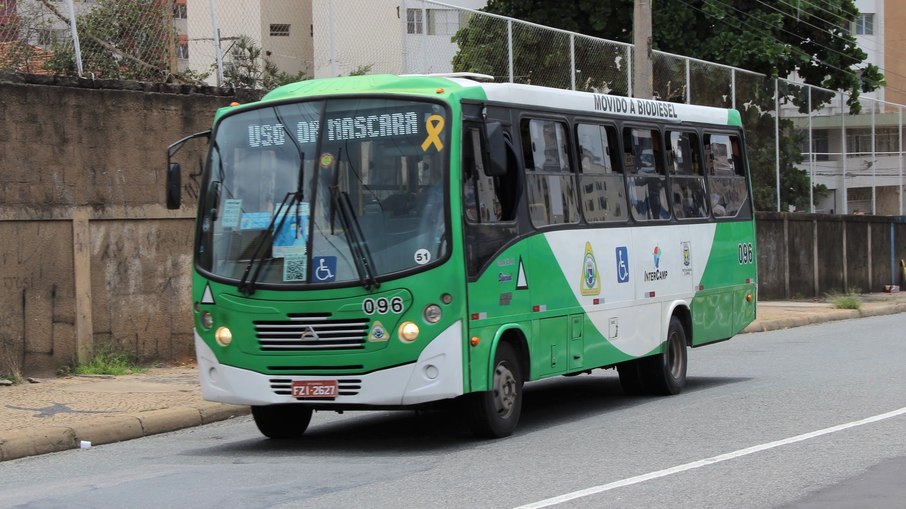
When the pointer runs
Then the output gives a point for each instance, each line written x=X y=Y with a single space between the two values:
x=622 y=265
x=324 y=269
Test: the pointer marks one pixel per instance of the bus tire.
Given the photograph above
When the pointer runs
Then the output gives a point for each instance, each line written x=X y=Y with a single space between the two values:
x=282 y=421
x=665 y=373
x=631 y=377
x=495 y=413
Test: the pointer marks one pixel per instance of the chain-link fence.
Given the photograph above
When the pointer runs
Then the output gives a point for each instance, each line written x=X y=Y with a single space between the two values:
x=828 y=160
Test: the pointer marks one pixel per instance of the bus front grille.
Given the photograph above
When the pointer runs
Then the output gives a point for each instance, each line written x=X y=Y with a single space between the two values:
x=311 y=333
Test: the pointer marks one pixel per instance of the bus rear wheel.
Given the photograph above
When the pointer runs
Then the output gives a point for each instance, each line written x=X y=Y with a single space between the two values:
x=665 y=373
x=282 y=421
x=495 y=413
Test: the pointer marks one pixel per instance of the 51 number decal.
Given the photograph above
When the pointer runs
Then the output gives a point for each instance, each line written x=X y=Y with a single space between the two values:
x=383 y=306
x=746 y=253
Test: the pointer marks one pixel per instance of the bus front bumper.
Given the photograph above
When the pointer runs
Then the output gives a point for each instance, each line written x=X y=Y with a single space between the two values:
x=436 y=375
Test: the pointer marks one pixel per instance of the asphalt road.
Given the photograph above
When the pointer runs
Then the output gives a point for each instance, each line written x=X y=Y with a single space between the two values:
x=807 y=417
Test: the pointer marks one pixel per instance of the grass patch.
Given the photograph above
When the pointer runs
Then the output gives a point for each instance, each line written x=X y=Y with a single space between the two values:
x=109 y=363
x=845 y=301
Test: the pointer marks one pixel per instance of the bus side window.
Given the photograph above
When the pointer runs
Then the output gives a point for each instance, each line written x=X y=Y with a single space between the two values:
x=485 y=199
x=726 y=176
x=549 y=177
x=646 y=177
x=601 y=188
x=687 y=183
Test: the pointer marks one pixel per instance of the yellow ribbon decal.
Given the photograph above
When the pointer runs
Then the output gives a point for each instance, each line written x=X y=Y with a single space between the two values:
x=434 y=125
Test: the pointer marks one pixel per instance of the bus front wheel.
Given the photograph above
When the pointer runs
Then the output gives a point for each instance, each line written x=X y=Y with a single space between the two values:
x=495 y=413
x=282 y=421
x=665 y=373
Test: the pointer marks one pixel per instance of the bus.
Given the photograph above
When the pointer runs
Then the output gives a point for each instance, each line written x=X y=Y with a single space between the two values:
x=389 y=242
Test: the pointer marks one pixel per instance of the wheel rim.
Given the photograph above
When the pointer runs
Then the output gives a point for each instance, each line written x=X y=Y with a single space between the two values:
x=675 y=356
x=505 y=390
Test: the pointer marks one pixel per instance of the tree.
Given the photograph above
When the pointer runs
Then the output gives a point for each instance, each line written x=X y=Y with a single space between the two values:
x=771 y=38
x=247 y=68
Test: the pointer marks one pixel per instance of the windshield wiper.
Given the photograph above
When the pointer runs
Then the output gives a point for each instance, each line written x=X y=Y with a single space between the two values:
x=247 y=284
x=361 y=255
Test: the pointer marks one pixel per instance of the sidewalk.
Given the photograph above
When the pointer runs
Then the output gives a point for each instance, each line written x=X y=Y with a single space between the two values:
x=61 y=413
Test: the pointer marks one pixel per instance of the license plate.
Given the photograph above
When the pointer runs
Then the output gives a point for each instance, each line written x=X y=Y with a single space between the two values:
x=314 y=388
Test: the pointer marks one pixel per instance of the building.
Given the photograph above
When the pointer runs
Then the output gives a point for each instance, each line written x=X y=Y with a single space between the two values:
x=864 y=168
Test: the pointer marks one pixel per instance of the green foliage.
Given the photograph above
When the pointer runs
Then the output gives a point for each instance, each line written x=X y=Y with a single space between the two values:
x=849 y=300
x=107 y=362
x=247 y=68
x=121 y=39
x=361 y=70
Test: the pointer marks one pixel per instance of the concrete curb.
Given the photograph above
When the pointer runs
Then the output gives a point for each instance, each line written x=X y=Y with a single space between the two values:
x=836 y=314
x=19 y=444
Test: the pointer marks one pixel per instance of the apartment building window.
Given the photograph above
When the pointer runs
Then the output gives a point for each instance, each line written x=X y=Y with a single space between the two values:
x=280 y=30
x=865 y=24
x=415 y=23
x=182 y=47
x=444 y=21
x=179 y=10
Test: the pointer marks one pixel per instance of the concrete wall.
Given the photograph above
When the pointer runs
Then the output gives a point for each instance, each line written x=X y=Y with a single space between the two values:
x=89 y=257
x=810 y=255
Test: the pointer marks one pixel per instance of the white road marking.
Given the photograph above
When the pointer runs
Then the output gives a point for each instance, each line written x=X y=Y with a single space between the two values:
x=707 y=461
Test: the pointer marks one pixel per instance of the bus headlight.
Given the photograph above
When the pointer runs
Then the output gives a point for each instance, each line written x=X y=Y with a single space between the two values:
x=207 y=320
x=223 y=336
x=432 y=313
x=408 y=332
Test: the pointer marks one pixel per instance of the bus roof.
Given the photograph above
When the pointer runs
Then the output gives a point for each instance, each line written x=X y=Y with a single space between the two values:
x=462 y=85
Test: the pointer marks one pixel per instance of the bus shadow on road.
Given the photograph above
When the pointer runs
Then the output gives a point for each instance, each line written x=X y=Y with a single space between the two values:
x=443 y=427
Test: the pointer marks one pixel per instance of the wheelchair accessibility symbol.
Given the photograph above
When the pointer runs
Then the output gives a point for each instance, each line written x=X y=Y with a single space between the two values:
x=325 y=269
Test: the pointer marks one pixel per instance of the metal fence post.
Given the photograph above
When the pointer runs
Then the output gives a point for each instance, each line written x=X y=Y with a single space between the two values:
x=216 y=34
x=572 y=60
x=733 y=87
x=75 y=37
x=688 y=82
x=777 y=138
x=811 y=157
x=509 y=38
x=901 y=183
x=629 y=71
x=874 y=161
x=843 y=155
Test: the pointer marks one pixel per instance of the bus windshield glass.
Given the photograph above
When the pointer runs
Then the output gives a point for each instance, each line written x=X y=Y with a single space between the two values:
x=339 y=191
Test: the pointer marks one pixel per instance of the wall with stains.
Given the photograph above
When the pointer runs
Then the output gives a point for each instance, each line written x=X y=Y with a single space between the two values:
x=90 y=258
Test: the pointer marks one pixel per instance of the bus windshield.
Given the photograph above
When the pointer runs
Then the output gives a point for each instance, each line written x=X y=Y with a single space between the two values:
x=347 y=190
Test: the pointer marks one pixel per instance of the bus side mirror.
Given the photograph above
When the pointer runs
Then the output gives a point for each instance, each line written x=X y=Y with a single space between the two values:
x=496 y=148
x=174 y=178
x=174 y=186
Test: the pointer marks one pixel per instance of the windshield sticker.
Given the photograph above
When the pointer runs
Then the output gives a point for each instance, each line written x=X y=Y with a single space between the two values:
x=326 y=160
x=422 y=256
x=254 y=220
x=295 y=265
x=232 y=208
x=325 y=269
x=293 y=233
x=378 y=332
x=434 y=125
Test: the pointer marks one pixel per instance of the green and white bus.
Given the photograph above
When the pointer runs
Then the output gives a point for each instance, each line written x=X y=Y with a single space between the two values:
x=385 y=242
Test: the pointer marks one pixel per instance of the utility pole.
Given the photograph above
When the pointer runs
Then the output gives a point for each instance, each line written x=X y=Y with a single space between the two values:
x=641 y=39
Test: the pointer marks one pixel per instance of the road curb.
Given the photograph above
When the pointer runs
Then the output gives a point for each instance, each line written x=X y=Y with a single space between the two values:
x=19 y=444
x=837 y=314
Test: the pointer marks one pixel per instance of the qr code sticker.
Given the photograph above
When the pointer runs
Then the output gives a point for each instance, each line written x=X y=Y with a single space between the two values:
x=295 y=267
